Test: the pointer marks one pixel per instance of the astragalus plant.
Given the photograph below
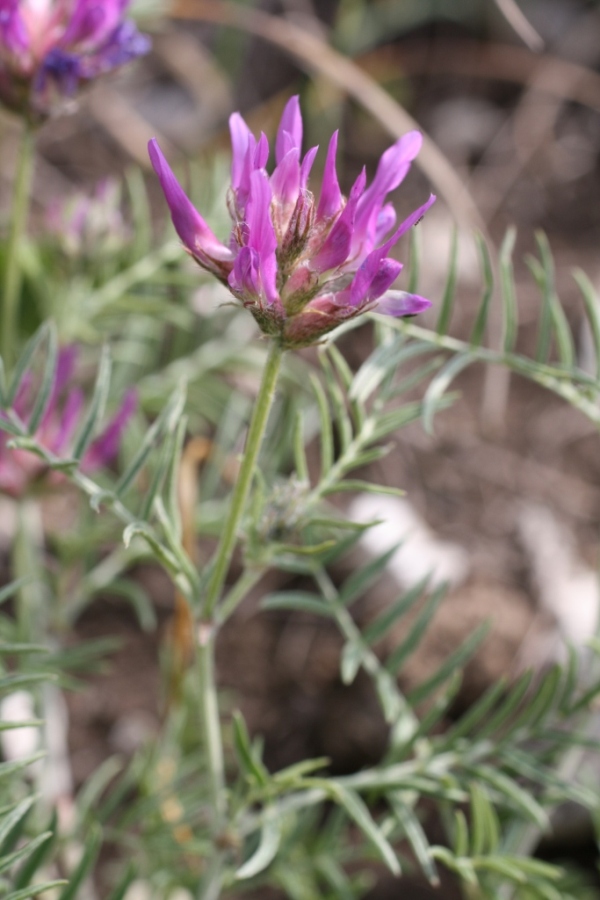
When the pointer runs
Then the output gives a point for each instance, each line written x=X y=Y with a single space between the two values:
x=197 y=809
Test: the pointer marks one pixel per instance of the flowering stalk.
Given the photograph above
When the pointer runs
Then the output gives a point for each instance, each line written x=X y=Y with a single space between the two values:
x=209 y=709
x=12 y=269
x=301 y=268
x=256 y=432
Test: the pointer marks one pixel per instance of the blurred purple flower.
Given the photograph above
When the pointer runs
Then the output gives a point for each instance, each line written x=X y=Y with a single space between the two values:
x=48 y=46
x=90 y=225
x=19 y=468
x=300 y=266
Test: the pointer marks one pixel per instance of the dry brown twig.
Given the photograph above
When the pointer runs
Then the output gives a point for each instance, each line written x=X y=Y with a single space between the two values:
x=315 y=55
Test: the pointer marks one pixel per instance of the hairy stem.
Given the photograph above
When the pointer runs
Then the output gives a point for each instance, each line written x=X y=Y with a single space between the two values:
x=241 y=490
x=12 y=270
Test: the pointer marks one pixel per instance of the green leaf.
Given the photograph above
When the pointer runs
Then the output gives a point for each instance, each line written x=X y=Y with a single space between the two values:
x=414 y=259
x=9 y=427
x=270 y=839
x=479 y=327
x=350 y=662
x=10 y=824
x=300 y=461
x=546 y=697
x=12 y=682
x=461 y=834
x=167 y=420
x=592 y=309
x=24 y=362
x=476 y=714
x=384 y=360
x=326 y=429
x=502 y=715
x=34 y=890
x=92 y=843
x=359 y=582
x=124 y=883
x=45 y=389
x=302 y=601
x=6 y=862
x=453 y=663
x=553 y=317
x=382 y=624
x=249 y=761
x=358 y=811
x=507 y=291
x=8 y=591
x=142 y=529
x=463 y=867
x=3 y=401
x=439 y=385
x=97 y=405
x=443 y=322
x=96 y=785
x=365 y=487
x=338 y=403
x=416 y=836
x=485 y=832
x=512 y=794
x=416 y=632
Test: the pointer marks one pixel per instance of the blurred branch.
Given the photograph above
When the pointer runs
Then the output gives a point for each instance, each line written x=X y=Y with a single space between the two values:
x=314 y=55
x=501 y=62
x=522 y=26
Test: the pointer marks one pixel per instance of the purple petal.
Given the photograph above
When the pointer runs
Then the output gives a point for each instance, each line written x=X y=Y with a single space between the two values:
x=373 y=278
x=261 y=234
x=392 y=168
x=240 y=134
x=189 y=224
x=394 y=164
x=336 y=246
x=399 y=303
x=289 y=133
x=386 y=220
x=12 y=28
x=105 y=448
x=91 y=22
x=307 y=164
x=408 y=223
x=245 y=276
x=330 y=200
x=261 y=154
x=285 y=180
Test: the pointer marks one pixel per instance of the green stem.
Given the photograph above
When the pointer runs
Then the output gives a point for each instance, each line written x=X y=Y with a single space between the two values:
x=211 y=725
x=210 y=888
x=244 y=480
x=12 y=268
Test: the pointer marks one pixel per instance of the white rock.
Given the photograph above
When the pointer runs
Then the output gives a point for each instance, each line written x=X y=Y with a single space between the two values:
x=18 y=743
x=568 y=589
x=421 y=552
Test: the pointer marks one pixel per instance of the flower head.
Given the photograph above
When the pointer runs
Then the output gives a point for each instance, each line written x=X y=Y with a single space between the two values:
x=19 y=468
x=301 y=266
x=48 y=46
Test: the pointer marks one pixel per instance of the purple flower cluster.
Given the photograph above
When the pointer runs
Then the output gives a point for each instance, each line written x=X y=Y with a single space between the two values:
x=19 y=468
x=301 y=266
x=48 y=46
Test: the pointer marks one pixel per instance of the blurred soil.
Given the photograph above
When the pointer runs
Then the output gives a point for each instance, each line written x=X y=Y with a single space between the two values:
x=469 y=481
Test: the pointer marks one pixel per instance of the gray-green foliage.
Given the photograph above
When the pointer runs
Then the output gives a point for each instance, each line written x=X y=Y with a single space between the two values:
x=494 y=776
x=25 y=846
